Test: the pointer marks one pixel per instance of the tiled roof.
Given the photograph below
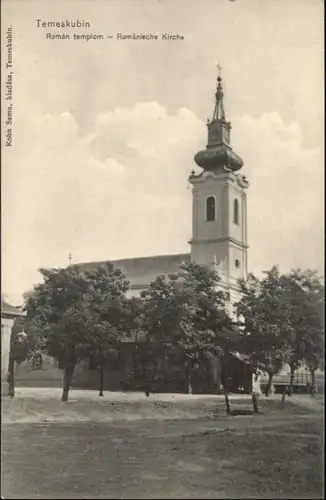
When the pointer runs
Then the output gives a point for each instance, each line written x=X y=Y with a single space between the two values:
x=142 y=270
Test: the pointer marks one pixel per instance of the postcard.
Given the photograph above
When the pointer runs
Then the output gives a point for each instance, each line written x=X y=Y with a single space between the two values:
x=156 y=136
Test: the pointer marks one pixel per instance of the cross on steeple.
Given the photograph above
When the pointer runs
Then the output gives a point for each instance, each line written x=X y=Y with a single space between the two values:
x=219 y=67
x=219 y=113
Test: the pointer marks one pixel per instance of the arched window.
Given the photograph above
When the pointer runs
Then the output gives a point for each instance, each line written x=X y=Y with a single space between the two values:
x=236 y=212
x=210 y=208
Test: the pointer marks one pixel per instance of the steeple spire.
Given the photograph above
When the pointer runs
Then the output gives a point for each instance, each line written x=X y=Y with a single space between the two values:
x=219 y=113
x=218 y=128
x=218 y=154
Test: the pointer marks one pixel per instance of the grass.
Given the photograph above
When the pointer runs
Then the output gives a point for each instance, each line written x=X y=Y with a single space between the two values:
x=277 y=454
x=44 y=405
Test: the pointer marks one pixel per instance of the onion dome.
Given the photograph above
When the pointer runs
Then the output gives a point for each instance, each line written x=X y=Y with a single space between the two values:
x=218 y=154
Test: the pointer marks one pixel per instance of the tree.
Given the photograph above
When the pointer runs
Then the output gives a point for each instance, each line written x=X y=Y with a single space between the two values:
x=80 y=314
x=24 y=344
x=143 y=354
x=113 y=314
x=187 y=312
x=305 y=299
x=265 y=322
x=307 y=302
x=121 y=323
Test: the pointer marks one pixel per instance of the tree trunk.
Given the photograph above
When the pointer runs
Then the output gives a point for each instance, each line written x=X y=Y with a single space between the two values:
x=11 y=377
x=290 y=389
x=215 y=366
x=227 y=403
x=188 y=377
x=269 y=384
x=313 y=381
x=67 y=378
x=227 y=388
x=145 y=381
x=101 y=380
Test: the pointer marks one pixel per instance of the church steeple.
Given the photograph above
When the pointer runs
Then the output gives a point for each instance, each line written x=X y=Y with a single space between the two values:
x=218 y=154
x=219 y=113
x=219 y=204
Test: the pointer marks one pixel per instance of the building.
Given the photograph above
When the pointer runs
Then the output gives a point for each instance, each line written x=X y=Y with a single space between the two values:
x=8 y=315
x=219 y=215
x=219 y=237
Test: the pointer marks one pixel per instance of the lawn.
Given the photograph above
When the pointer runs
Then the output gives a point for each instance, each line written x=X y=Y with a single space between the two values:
x=44 y=405
x=277 y=454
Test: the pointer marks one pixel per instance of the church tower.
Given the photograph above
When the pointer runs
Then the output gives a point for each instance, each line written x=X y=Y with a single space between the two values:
x=219 y=227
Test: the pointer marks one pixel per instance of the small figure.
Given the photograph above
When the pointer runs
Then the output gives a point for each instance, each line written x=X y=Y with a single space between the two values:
x=285 y=393
x=256 y=391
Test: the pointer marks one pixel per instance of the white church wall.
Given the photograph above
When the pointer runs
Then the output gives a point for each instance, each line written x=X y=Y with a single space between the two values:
x=203 y=229
x=237 y=267
x=235 y=227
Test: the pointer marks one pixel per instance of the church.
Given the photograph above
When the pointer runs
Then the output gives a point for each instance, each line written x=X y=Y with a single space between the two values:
x=219 y=215
x=219 y=240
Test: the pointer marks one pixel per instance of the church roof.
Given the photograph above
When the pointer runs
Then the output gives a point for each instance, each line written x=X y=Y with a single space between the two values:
x=142 y=270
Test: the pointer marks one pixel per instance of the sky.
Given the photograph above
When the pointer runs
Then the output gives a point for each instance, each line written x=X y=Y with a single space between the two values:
x=104 y=131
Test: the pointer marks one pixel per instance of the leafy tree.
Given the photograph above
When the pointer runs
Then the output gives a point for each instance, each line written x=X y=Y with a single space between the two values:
x=80 y=313
x=265 y=321
x=124 y=325
x=187 y=312
x=24 y=344
x=306 y=299
x=20 y=342
x=144 y=354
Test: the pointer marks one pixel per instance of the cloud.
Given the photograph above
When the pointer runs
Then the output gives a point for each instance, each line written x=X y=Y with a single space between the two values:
x=122 y=190
x=285 y=198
